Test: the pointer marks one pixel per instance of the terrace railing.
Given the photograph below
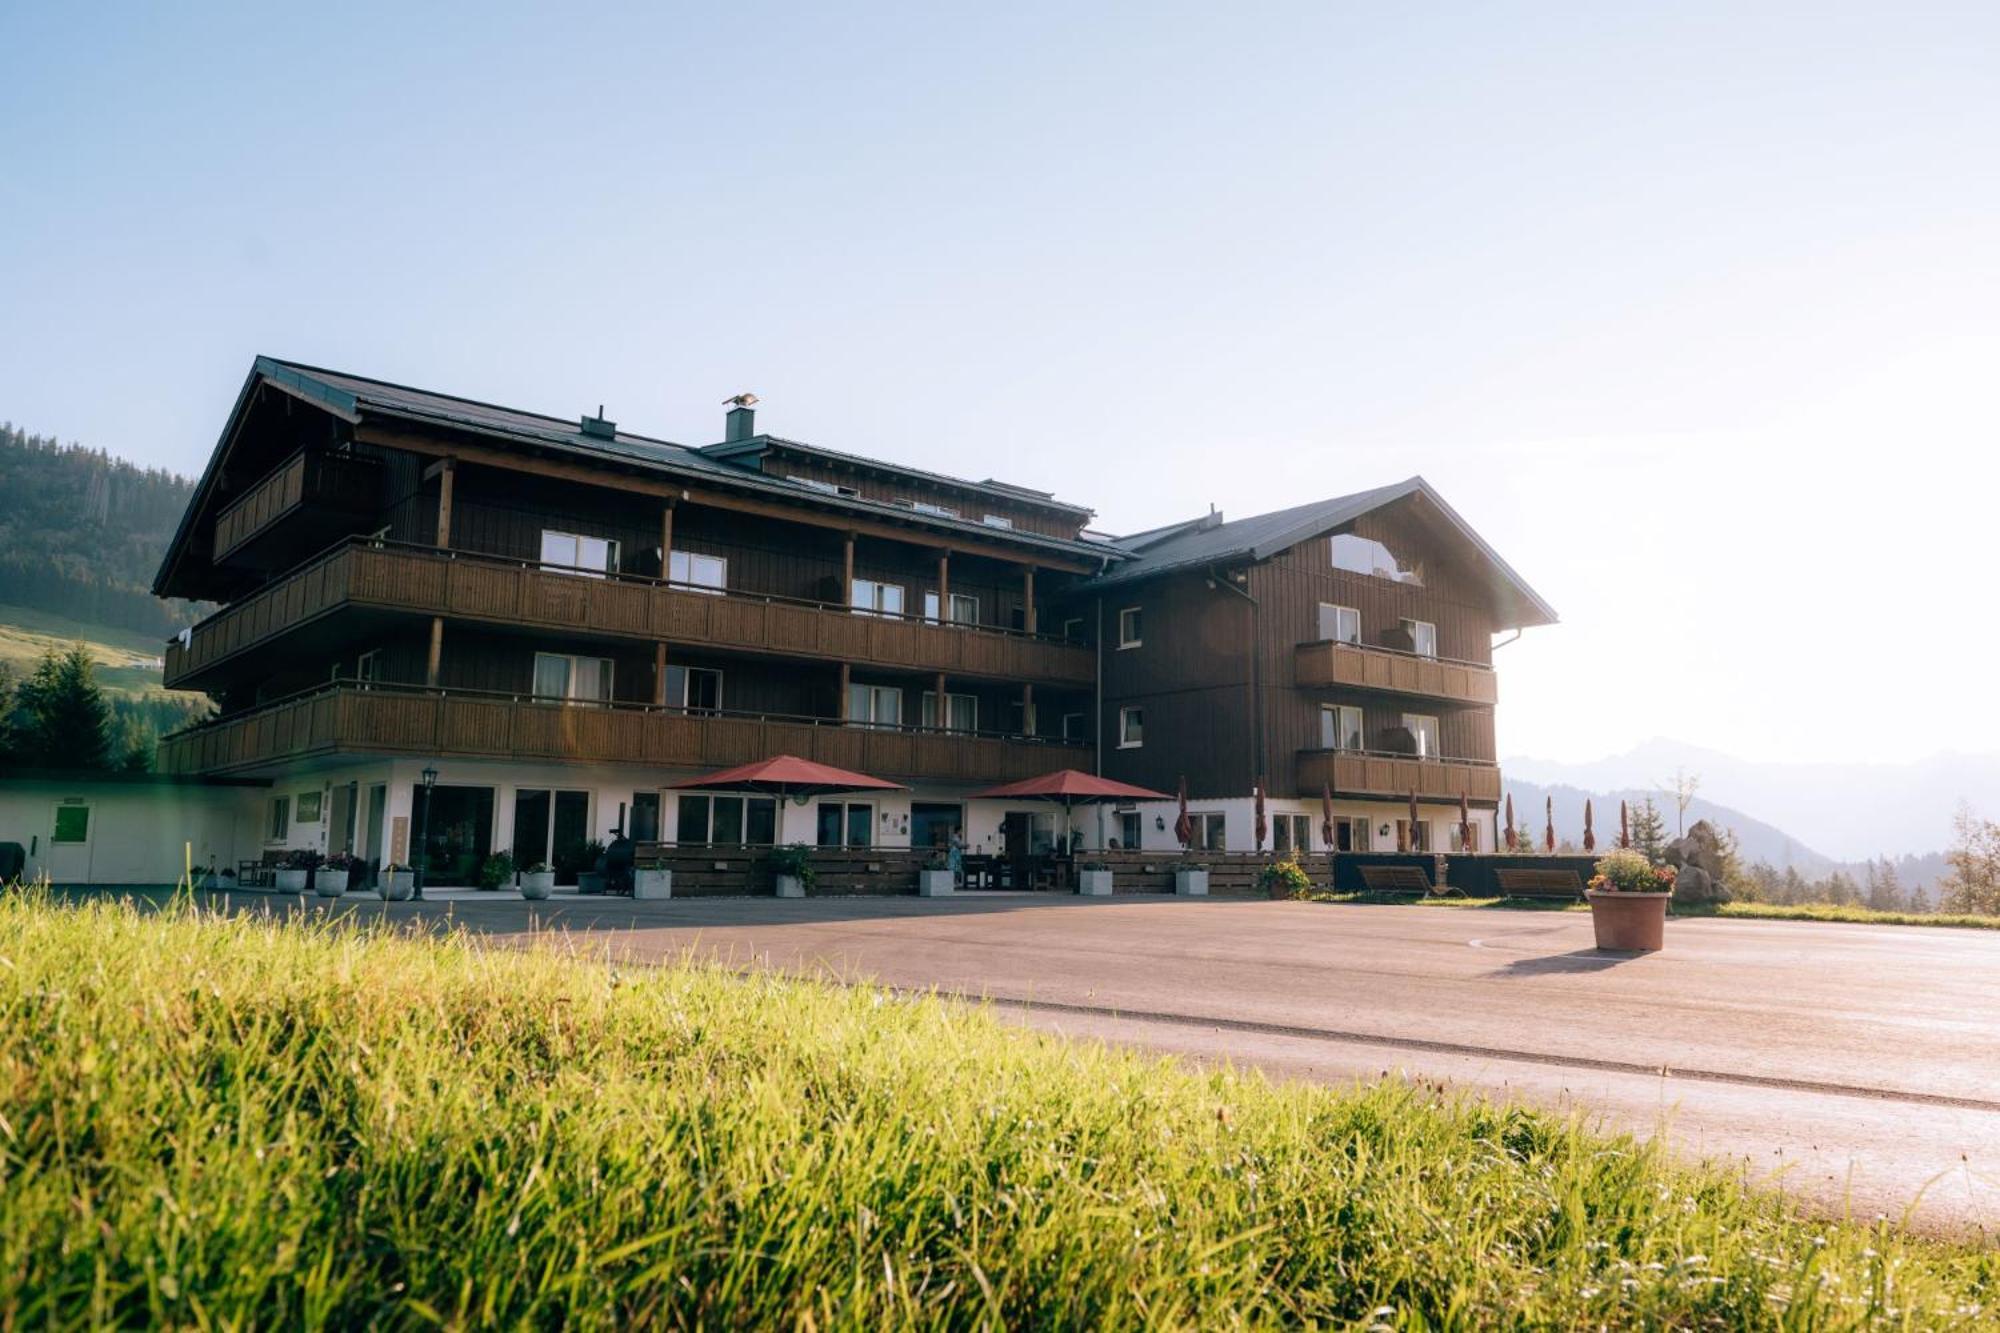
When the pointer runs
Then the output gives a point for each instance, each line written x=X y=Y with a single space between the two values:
x=1328 y=662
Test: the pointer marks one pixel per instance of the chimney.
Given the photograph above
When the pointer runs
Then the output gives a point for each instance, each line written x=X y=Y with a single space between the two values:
x=597 y=427
x=741 y=421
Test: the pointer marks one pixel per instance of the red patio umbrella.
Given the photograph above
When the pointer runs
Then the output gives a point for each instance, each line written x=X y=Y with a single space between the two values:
x=1589 y=834
x=787 y=775
x=1069 y=787
x=1184 y=823
x=1549 y=837
x=1326 y=814
x=1464 y=824
x=1408 y=843
x=1510 y=821
x=1262 y=825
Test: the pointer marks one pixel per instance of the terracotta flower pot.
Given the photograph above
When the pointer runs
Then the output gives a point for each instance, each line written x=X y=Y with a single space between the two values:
x=1630 y=922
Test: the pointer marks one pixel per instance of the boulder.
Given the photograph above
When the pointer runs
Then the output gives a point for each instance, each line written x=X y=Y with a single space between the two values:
x=1698 y=859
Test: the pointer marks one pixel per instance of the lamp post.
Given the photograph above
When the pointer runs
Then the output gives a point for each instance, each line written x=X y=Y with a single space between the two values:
x=423 y=856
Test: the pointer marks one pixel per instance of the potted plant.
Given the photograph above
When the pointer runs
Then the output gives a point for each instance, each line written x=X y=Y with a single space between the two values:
x=934 y=877
x=1191 y=879
x=496 y=872
x=396 y=883
x=590 y=879
x=793 y=868
x=652 y=881
x=330 y=880
x=1093 y=879
x=1628 y=902
x=1285 y=879
x=538 y=880
x=297 y=868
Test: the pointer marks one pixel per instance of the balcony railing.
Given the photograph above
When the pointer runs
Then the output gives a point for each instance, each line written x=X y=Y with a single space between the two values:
x=341 y=483
x=1373 y=773
x=466 y=724
x=1365 y=667
x=376 y=575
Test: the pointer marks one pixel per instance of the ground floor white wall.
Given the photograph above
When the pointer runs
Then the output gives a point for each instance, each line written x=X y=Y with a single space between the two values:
x=1157 y=818
x=132 y=833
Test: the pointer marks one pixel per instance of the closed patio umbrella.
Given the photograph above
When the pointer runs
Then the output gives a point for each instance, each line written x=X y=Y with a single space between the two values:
x=1549 y=835
x=1184 y=822
x=1326 y=814
x=1589 y=834
x=1464 y=824
x=1510 y=821
x=1262 y=825
x=1408 y=843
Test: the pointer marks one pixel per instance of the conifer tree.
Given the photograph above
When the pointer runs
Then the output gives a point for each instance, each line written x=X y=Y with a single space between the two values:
x=63 y=713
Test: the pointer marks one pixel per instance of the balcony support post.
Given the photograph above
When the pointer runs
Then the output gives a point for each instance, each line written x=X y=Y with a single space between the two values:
x=1027 y=710
x=447 y=469
x=660 y=674
x=436 y=657
x=944 y=596
x=1028 y=598
x=847 y=570
x=667 y=540
x=846 y=679
x=941 y=715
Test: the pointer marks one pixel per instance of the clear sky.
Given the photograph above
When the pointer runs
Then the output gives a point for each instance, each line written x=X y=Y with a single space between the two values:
x=1691 y=312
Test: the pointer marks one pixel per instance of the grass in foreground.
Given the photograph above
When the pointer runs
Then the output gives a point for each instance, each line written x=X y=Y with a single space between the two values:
x=228 y=1121
x=1863 y=916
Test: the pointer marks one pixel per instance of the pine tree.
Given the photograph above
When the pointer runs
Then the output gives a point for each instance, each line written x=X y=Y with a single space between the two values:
x=1974 y=882
x=9 y=734
x=1885 y=888
x=65 y=718
x=1649 y=831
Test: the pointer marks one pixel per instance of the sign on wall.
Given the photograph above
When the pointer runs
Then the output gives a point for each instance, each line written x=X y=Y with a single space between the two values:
x=399 y=840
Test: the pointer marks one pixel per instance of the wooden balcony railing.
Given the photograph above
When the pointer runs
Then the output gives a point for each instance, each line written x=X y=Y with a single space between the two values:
x=392 y=576
x=401 y=720
x=1361 y=666
x=1370 y=773
x=342 y=482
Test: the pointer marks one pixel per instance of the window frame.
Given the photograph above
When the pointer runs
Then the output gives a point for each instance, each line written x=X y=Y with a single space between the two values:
x=278 y=818
x=1416 y=640
x=1136 y=638
x=1418 y=733
x=1082 y=729
x=1134 y=823
x=687 y=581
x=1127 y=715
x=608 y=668
x=1340 y=712
x=927 y=712
x=82 y=838
x=1203 y=822
x=847 y=810
x=874 y=693
x=1412 y=576
x=575 y=566
x=742 y=802
x=1000 y=521
x=1292 y=825
x=878 y=587
x=1338 y=608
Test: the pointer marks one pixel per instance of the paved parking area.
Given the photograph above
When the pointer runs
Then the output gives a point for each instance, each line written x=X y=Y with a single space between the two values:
x=1855 y=1066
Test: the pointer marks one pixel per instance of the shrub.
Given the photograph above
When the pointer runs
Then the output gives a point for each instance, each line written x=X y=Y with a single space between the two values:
x=302 y=858
x=496 y=870
x=793 y=859
x=1626 y=871
x=1285 y=879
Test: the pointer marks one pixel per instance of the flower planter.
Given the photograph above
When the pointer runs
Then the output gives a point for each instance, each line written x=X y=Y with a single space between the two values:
x=935 y=883
x=397 y=885
x=290 y=881
x=589 y=881
x=652 y=883
x=1191 y=883
x=329 y=883
x=791 y=886
x=537 y=884
x=1094 y=883
x=1629 y=922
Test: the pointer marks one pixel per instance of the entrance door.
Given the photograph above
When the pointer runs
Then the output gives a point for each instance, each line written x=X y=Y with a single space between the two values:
x=931 y=825
x=340 y=821
x=378 y=811
x=550 y=828
x=458 y=833
x=73 y=827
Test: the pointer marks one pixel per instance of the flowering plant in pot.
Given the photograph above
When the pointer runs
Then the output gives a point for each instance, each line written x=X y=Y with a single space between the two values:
x=792 y=866
x=537 y=880
x=333 y=875
x=296 y=869
x=397 y=883
x=1285 y=879
x=1628 y=898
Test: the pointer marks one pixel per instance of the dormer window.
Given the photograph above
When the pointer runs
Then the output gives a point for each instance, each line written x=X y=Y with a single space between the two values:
x=1000 y=521
x=926 y=507
x=1365 y=555
x=823 y=487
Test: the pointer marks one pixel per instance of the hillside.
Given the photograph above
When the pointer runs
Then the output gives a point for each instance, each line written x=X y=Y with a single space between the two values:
x=85 y=534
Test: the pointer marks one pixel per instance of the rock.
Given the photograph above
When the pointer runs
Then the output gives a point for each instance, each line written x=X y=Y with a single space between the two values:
x=1698 y=858
x=1692 y=885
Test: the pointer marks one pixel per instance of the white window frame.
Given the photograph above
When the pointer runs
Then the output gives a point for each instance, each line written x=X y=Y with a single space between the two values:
x=932 y=508
x=1127 y=716
x=1418 y=733
x=928 y=711
x=366 y=665
x=692 y=566
x=824 y=487
x=1134 y=823
x=687 y=688
x=575 y=564
x=1341 y=714
x=606 y=669
x=1339 y=612
x=278 y=819
x=1080 y=731
x=1298 y=833
x=1211 y=831
x=964 y=608
x=742 y=801
x=1417 y=639
x=1072 y=629
x=1360 y=832
x=1000 y=521
x=875 y=588
x=1133 y=637
x=847 y=809
x=874 y=694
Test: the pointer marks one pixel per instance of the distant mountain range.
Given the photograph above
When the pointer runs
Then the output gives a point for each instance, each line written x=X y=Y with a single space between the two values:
x=1811 y=816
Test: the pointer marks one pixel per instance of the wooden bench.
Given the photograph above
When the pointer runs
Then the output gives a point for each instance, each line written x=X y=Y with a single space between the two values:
x=1539 y=883
x=1396 y=879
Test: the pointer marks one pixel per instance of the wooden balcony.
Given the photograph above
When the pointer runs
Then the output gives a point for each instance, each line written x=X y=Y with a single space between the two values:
x=1369 y=773
x=1360 y=666
x=334 y=489
x=373 y=576
x=379 y=720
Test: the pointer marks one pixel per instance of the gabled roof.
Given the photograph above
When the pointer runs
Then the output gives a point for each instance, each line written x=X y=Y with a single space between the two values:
x=756 y=445
x=354 y=397
x=1208 y=540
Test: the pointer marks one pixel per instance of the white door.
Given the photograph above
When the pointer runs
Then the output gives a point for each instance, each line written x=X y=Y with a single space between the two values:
x=71 y=829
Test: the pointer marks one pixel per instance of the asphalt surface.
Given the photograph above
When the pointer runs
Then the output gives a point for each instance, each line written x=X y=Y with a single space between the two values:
x=1855 y=1068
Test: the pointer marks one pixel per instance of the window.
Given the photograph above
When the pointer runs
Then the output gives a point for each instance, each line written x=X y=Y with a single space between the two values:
x=1416 y=838
x=1210 y=833
x=875 y=705
x=1458 y=843
x=1073 y=629
x=1075 y=727
x=1131 y=829
x=1341 y=624
x=281 y=819
x=964 y=608
x=643 y=824
x=702 y=573
x=846 y=824
x=1423 y=637
x=998 y=521
x=1424 y=731
x=1340 y=727
x=73 y=824
x=936 y=510
x=961 y=712
x=306 y=808
x=1291 y=834
x=575 y=679
x=1020 y=718
x=824 y=487
x=726 y=821
x=572 y=553
x=367 y=665
x=1128 y=627
x=871 y=598
x=1131 y=728
x=697 y=689
x=1350 y=835
x=1364 y=555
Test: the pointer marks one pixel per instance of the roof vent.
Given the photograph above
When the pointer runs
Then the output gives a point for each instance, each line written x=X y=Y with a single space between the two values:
x=741 y=421
x=598 y=428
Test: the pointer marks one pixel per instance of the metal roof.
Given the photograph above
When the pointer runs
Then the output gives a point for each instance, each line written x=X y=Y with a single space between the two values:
x=757 y=444
x=1205 y=541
